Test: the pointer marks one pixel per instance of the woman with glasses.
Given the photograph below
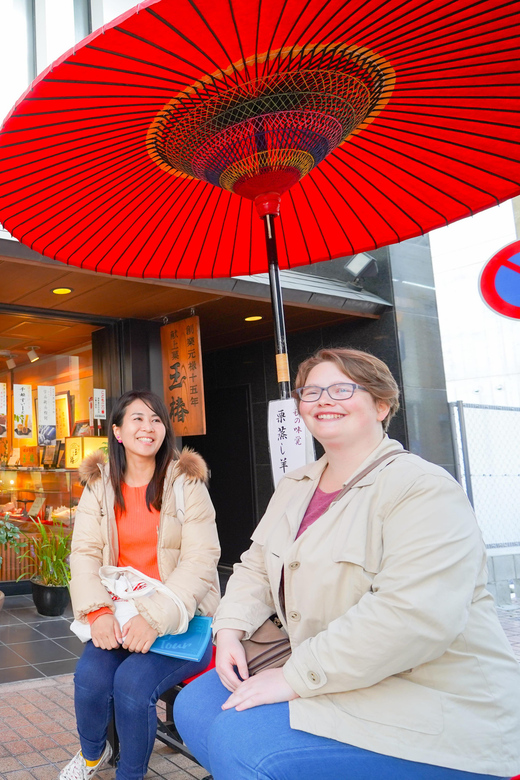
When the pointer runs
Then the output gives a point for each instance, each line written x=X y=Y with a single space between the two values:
x=373 y=562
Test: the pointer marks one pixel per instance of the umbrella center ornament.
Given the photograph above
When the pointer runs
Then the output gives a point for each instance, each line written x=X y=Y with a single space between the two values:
x=260 y=135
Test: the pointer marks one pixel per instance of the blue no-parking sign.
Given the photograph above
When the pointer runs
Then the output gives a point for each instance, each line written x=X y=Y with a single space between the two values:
x=499 y=282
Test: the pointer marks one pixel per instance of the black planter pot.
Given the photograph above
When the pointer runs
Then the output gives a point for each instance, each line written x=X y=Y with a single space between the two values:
x=49 y=600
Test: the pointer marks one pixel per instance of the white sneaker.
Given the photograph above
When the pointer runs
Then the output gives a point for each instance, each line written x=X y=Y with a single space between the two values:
x=77 y=768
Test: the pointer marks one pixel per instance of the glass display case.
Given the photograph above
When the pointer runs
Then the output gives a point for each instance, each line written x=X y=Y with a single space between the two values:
x=29 y=496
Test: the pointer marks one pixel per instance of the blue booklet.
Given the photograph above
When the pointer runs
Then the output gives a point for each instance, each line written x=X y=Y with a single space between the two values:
x=191 y=645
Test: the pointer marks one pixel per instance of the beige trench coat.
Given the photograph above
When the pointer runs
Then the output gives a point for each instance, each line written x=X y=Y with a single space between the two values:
x=187 y=553
x=396 y=644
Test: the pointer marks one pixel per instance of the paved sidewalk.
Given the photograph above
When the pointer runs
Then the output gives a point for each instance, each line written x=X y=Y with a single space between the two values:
x=38 y=735
x=38 y=732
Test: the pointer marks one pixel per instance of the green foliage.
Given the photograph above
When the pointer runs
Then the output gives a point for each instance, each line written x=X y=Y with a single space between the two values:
x=10 y=535
x=50 y=554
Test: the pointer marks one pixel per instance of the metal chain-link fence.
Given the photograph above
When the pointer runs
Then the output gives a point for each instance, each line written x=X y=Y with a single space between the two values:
x=487 y=446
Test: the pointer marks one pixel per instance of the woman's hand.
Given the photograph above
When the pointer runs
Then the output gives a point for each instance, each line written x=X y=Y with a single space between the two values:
x=267 y=687
x=138 y=635
x=230 y=653
x=105 y=632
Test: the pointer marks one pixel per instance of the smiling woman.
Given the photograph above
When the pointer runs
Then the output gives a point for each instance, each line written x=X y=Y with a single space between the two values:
x=373 y=562
x=128 y=516
x=141 y=433
x=350 y=417
x=141 y=428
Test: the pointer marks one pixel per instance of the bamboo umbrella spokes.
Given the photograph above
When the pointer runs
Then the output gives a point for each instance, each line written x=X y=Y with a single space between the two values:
x=263 y=134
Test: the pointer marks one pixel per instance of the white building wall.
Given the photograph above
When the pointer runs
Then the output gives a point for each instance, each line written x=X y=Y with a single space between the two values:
x=14 y=54
x=103 y=11
x=54 y=29
x=481 y=348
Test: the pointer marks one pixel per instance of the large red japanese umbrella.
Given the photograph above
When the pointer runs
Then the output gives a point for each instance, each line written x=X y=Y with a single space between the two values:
x=151 y=148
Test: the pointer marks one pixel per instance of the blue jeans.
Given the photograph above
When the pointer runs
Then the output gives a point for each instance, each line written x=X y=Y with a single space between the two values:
x=259 y=744
x=126 y=684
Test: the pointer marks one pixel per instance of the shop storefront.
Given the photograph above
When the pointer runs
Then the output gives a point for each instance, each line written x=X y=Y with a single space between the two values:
x=46 y=390
x=107 y=335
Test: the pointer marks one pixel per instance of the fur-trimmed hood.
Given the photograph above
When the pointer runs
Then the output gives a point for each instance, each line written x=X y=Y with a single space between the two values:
x=192 y=465
x=90 y=469
x=188 y=462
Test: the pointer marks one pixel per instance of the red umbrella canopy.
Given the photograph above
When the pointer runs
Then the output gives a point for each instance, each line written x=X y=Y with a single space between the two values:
x=142 y=151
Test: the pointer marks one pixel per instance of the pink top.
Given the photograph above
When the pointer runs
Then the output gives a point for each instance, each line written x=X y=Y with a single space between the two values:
x=318 y=505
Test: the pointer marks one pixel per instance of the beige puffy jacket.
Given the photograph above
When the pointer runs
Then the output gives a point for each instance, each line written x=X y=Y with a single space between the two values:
x=187 y=552
x=396 y=644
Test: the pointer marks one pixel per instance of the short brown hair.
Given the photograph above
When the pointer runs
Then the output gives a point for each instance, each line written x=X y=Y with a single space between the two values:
x=363 y=368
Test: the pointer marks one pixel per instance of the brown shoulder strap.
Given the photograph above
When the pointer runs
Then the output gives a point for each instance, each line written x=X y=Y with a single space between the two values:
x=366 y=471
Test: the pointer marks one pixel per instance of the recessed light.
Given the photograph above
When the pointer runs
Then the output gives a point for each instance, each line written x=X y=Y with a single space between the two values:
x=254 y=318
x=62 y=290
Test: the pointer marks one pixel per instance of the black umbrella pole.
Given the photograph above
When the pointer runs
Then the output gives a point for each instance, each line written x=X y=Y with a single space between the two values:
x=282 y=359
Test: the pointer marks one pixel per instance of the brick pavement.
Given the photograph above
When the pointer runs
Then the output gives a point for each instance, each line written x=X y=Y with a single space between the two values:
x=38 y=733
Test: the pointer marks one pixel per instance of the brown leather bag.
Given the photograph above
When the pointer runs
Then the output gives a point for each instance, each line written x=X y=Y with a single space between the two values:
x=268 y=648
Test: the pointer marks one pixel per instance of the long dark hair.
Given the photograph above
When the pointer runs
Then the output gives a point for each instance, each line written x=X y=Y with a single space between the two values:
x=117 y=454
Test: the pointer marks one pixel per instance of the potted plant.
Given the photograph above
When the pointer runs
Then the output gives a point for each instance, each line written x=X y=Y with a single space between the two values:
x=9 y=535
x=49 y=552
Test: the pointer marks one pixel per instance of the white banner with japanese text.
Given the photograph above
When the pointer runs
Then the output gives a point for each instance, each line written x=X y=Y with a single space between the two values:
x=100 y=403
x=22 y=411
x=3 y=410
x=46 y=412
x=290 y=443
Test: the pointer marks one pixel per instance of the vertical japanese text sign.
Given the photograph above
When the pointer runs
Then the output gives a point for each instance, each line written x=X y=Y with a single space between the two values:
x=182 y=376
x=290 y=443
x=22 y=411
x=3 y=410
x=3 y=398
x=46 y=415
x=100 y=403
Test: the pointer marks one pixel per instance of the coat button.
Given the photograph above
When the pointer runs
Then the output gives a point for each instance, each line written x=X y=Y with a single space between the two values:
x=313 y=677
x=294 y=565
x=294 y=615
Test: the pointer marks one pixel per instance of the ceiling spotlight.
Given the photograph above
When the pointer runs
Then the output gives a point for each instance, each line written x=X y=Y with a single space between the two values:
x=253 y=318
x=62 y=290
x=32 y=355
x=361 y=265
x=10 y=363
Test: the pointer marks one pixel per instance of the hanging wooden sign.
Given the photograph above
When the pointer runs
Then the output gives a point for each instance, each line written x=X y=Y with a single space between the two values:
x=182 y=376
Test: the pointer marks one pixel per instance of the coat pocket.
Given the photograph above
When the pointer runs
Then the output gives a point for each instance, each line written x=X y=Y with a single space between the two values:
x=355 y=546
x=359 y=535
x=395 y=702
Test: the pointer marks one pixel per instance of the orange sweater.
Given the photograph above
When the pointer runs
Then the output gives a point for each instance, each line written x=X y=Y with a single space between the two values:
x=137 y=529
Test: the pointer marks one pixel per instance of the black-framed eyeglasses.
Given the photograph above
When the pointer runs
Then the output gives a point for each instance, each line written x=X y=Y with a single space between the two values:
x=341 y=391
